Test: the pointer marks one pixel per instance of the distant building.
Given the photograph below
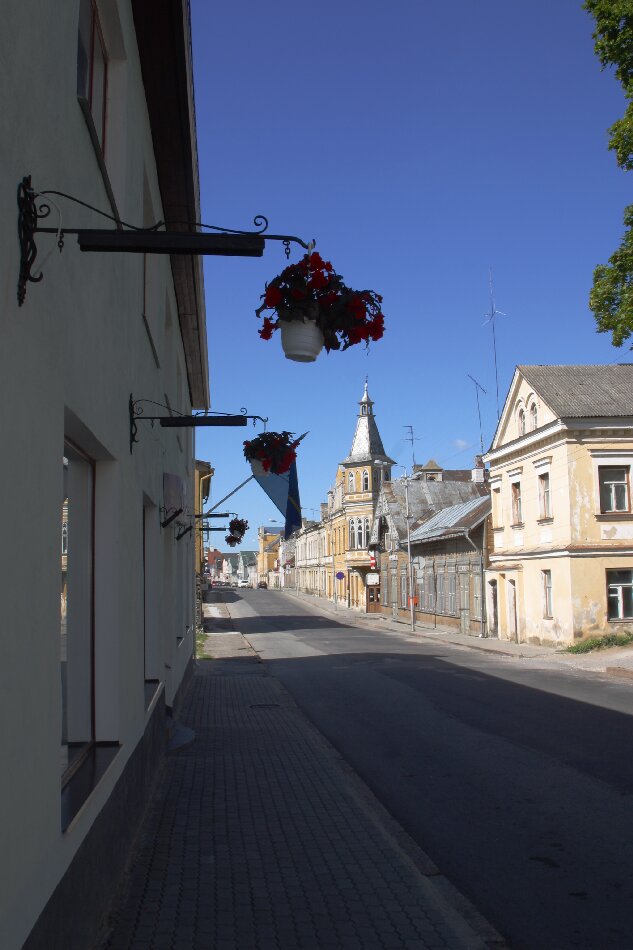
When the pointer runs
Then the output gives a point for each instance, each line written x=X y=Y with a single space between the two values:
x=560 y=472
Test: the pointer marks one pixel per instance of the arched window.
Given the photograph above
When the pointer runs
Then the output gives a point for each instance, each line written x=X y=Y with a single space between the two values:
x=534 y=416
x=521 y=418
x=350 y=482
x=365 y=480
x=352 y=533
x=64 y=537
x=366 y=538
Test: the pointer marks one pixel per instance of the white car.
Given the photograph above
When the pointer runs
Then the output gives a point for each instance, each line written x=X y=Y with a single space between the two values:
x=243 y=584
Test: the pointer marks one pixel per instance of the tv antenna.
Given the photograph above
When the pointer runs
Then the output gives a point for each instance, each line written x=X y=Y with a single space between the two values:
x=491 y=319
x=478 y=386
x=411 y=438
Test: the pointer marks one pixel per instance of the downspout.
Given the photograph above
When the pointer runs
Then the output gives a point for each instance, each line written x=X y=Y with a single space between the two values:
x=482 y=596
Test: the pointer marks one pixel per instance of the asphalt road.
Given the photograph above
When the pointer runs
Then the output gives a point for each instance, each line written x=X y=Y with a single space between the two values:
x=517 y=782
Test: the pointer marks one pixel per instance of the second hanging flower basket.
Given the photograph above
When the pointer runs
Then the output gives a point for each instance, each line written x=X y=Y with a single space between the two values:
x=275 y=451
x=313 y=307
x=237 y=529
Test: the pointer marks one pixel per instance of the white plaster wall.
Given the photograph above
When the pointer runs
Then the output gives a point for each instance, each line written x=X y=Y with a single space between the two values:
x=68 y=361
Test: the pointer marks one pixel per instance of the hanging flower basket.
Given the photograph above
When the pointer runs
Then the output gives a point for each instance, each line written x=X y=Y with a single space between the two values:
x=237 y=529
x=301 y=340
x=311 y=292
x=275 y=451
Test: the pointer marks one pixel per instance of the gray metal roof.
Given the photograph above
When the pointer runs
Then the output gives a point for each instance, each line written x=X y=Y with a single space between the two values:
x=425 y=500
x=584 y=391
x=455 y=520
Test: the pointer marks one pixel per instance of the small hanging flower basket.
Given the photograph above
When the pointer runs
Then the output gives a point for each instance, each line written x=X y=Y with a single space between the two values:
x=237 y=529
x=275 y=451
x=310 y=294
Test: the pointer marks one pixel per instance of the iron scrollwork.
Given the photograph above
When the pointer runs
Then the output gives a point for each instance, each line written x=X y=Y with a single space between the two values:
x=28 y=215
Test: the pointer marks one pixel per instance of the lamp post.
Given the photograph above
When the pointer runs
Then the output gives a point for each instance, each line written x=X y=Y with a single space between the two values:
x=333 y=563
x=406 y=497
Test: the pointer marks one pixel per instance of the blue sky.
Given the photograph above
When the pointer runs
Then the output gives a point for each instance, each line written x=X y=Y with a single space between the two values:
x=419 y=144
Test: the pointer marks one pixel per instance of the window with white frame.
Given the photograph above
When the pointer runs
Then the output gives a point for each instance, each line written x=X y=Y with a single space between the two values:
x=544 y=495
x=366 y=533
x=365 y=480
x=352 y=533
x=517 y=509
x=546 y=580
x=359 y=534
x=614 y=488
x=521 y=421
x=351 y=482
x=620 y=594
x=92 y=67
x=534 y=415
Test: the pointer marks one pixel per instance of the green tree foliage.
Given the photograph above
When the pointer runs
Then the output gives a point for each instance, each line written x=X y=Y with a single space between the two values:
x=611 y=297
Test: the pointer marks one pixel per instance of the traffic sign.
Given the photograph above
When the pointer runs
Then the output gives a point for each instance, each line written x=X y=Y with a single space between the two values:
x=340 y=576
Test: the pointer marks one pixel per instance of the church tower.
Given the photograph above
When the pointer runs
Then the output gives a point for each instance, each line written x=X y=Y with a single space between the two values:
x=351 y=510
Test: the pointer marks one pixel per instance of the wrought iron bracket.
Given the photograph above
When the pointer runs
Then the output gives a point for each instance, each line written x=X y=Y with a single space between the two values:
x=172 y=517
x=128 y=238
x=137 y=413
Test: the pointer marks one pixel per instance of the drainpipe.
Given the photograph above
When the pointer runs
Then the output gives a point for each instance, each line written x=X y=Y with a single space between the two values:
x=482 y=595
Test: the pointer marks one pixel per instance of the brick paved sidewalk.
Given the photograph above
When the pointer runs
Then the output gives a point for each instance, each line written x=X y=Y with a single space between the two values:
x=259 y=836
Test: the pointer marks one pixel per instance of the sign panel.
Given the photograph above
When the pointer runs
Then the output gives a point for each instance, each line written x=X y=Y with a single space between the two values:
x=372 y=580
x=340 y=576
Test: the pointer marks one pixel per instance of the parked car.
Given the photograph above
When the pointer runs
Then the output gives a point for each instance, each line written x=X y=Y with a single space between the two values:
x=242 y=583
x=262 y=584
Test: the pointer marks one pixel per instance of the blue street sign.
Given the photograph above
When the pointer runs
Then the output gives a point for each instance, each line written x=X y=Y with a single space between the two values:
x=340 y=576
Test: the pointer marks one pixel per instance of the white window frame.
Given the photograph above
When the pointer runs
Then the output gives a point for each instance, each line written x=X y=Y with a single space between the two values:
x=548 y=602
x=544 y=495
x=616 y=591
x=604 y=482
x=516 y=501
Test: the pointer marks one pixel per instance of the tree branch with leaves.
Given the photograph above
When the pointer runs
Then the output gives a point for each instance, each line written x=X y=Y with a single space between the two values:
x=611 y=296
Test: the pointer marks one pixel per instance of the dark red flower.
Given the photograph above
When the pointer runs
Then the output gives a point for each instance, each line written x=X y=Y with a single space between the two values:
x=273 y=296
x=297 y=293
x=267 y=331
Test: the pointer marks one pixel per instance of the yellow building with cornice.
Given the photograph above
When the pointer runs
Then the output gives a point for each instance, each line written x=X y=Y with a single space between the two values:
x=350 y=508
x=561 y=568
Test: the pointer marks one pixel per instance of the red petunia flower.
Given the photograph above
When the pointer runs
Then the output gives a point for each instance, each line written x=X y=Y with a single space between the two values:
x=273 y=296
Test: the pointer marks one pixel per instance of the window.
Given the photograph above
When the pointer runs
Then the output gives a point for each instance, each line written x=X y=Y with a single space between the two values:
x=452 y=589
x=92 y=67
x=517 y=513
x=497 y=510
x=477 y=596
x=403 y=590
x=614 y=488
x=350 y=482
x=359 y=534
x=620 y=595
x=521 y=420
x=430 y=588
x=76 y=620
x=546 y=578
x=421 y=598
x=544 y=498
x=441 y=593
x=352 y=534
x=534 y=416
x=365 y=480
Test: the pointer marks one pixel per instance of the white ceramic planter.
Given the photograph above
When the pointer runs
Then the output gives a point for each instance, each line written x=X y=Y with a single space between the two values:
x=301 y=340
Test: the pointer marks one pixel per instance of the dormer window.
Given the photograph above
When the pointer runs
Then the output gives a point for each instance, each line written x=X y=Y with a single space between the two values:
x=365 y=480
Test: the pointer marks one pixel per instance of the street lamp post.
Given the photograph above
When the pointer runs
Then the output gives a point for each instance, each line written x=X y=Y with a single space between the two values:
x=333 y=562
x=411 y=596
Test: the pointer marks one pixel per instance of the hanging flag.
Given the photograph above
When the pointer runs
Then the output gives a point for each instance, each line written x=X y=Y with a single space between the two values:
x=283 y=491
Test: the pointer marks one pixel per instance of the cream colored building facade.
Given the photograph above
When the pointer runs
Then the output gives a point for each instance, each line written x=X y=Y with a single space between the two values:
x=561 y=567
x=333 y=557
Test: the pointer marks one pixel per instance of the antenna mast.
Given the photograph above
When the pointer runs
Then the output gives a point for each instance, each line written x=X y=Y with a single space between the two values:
x=478 y=386
x=491 y=319
x=411 y=438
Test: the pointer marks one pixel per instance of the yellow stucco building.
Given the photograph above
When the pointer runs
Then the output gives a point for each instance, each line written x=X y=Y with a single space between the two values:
x=561 y=568
x=347 y=520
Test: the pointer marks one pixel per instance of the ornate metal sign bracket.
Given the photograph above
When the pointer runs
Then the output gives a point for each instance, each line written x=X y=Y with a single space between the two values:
x=179 y=421
x=127 y=238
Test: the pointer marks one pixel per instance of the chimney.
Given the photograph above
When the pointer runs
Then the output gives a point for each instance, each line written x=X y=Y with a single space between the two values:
x=479 y=471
